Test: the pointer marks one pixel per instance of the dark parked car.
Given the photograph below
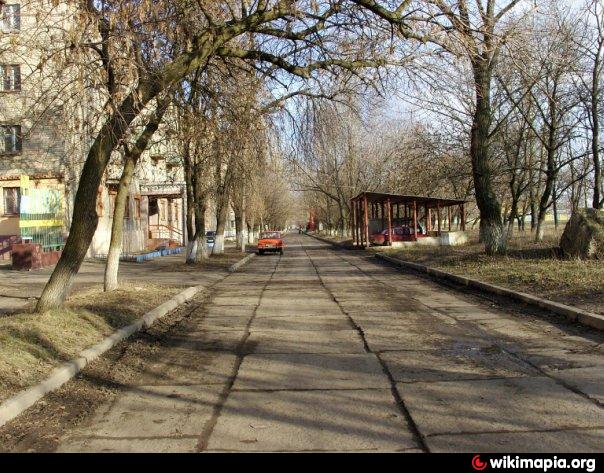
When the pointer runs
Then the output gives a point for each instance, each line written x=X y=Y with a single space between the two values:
x=210 y=236
x=402 y=233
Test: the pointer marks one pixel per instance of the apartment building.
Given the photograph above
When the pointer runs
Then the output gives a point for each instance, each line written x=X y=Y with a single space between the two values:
x=49 y=113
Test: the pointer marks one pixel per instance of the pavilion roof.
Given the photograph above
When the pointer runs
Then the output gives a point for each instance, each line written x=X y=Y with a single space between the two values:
x=374 y=197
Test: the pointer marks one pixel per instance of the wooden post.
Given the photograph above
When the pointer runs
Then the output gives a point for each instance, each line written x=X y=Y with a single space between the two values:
x=426 y=215
x=429 y=225
x=463 y=217
x=415 y=219
x=449 y=210
x=357 y=209
x=358 y=221
x=438 y=216
x=366 y=218
x=353 y=222
x=388 y=204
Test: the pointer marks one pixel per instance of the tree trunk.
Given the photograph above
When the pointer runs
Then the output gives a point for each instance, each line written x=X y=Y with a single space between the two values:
x=543 y=206
x=85 y=218
x=492 y=233
x=550 y=169
x=222 y=207
x=533 y=205
x=539 y=229
x=190 y=193
x=598 y=199
x=197 y=250
x=511 y=221
x=533 y=215
x=555 y=207
x=240 y=229
x=250 y=232
x=117 y=226
x=240 y=222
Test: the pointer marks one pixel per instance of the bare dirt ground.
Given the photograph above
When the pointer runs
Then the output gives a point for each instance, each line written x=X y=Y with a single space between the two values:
x=40 y=428
x=31 y=345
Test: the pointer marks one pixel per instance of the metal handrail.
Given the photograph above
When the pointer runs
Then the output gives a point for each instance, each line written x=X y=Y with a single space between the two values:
x=170 y=230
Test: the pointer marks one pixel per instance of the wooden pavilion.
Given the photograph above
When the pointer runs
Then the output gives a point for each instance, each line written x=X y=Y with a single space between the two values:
x=374 y=212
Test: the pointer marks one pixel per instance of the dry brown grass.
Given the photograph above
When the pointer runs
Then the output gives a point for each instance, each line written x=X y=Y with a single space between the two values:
x=530 y=267
x=31 y=345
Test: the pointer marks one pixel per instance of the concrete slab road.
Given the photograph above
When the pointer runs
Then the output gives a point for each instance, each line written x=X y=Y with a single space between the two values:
x=323 y=349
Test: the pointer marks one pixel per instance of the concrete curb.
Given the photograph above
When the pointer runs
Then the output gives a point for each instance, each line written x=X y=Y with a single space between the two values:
x=234 y=267
x=572 y=314
x=15 y=405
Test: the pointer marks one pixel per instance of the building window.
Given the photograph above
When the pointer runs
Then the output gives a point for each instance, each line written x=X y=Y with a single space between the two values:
x=12 y=196
x=10 y=77
x=10 y=139
x=10 y=20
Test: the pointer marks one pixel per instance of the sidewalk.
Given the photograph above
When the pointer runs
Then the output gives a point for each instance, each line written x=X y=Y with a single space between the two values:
x=20 y=289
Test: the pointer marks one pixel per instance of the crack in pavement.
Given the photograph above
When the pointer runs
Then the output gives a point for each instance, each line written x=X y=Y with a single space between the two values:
x=395 y=394
x=312 y=398
x=208 y=428
x=493 y=339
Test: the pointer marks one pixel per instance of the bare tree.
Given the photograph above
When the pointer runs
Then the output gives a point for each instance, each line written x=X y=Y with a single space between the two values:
x=591 y=47
x=546 y=74
x=132 y=153
x=476 y=31
x=180 y=37
x=339 y=152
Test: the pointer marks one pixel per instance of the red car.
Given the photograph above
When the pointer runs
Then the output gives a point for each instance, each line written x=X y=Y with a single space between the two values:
x=270 y=241
x=398 y=234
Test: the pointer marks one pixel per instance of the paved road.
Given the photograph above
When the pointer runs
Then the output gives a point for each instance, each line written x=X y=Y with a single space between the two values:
x=327 y=350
